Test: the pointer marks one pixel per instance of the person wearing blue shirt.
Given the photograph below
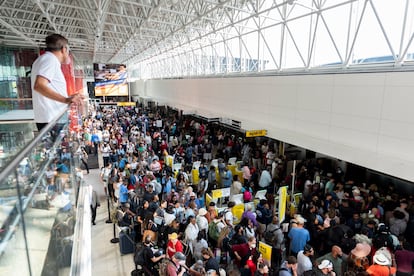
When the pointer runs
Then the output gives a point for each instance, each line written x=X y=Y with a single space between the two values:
x=289 y=267
x=298 y=236
x=167 y=183
x=123 y=193
x=122 y=163
x=227 y=178
x=95 y=141
x=202 y=171
x=63 y=167
x=134 y=178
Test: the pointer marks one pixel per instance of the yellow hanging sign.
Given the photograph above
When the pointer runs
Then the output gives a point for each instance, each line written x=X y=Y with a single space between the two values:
x=126 y=104
x=256 y=133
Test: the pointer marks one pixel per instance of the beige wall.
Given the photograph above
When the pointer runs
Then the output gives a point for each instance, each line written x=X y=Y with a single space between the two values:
x=366 y=119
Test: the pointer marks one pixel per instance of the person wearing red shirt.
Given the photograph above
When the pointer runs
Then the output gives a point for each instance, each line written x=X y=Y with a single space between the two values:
x=243 y=251
x=173 y=245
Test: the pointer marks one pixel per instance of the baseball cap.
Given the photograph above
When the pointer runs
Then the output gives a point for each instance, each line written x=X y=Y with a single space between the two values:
x=325 y=264
x=179 y=256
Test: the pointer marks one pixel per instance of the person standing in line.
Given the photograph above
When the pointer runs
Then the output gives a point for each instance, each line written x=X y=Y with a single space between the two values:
x=298 y=236
x=94 y=203
x=48 y=83
x=305 y=260
x=84 y=159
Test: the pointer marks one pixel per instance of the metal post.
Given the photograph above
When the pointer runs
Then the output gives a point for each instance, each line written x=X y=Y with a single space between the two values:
x=293 y=180
x=114 y=239
x=109 y=211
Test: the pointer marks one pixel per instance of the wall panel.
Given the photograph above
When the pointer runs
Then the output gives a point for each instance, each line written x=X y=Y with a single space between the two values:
x=365 y=118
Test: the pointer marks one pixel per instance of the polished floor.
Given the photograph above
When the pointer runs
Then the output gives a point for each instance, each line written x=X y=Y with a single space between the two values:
x=106 y=257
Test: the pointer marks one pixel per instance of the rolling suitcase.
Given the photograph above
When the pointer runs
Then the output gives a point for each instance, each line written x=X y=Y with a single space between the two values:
x=126 y=242
x=64 y=256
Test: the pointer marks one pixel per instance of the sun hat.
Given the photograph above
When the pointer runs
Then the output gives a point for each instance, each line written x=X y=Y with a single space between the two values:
x=361 y=250
x=202 y=211
x=381 y=259
x=325 y=264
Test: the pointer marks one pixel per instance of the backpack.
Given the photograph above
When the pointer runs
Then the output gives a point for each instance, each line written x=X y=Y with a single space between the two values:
x=247 y=195
x=213 y=230
x=383 y=240
x=269 y=236
x=282 y=269
x=139 y=257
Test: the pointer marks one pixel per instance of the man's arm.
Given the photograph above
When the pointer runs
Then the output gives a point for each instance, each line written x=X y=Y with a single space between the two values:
x=156 y=259
x=41 y=85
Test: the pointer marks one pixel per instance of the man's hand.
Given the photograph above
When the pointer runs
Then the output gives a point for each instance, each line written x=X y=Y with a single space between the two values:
x=77 y=99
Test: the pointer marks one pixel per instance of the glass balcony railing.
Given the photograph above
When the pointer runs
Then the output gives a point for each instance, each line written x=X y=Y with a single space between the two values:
x=39 y=190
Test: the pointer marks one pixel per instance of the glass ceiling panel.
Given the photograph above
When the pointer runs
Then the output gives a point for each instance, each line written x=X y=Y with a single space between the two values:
x=296 y=35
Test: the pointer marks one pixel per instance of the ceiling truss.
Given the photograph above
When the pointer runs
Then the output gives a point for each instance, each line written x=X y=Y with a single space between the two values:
x=172 y=38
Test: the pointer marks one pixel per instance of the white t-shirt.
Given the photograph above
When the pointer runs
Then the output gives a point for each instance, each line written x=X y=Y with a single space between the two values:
x=49 y=67
x=229 y=217
x=304 y=263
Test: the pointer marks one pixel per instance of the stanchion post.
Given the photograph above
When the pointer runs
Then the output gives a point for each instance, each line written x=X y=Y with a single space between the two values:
x=109 y=211
x=114 y=239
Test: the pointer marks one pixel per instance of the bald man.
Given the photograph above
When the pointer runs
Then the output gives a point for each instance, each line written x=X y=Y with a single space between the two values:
x=336 y=257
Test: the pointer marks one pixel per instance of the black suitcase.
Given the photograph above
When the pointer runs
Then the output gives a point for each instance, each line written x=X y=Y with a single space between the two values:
x=64 y=257
x=126 y=242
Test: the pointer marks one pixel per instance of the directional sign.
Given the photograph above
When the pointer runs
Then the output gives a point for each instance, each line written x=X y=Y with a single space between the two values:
x=256 y=133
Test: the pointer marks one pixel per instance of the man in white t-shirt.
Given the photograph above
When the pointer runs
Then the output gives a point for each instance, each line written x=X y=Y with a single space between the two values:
x=304 y=259
x=228 y=216
x=48 y=83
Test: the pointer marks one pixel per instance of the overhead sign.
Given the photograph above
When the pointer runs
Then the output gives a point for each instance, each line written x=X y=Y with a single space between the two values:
x=126 y=104
x=256 y=133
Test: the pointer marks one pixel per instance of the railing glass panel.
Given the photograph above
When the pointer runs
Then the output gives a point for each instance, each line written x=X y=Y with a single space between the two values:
x=38 y=190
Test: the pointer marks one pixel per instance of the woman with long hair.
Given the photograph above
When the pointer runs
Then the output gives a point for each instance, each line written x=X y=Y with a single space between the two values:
x=210 y=263
x=198 y=245
x=223 y=243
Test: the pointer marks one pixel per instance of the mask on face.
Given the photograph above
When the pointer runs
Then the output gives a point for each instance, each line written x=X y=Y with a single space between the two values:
x=253 y=246
x=181 y=262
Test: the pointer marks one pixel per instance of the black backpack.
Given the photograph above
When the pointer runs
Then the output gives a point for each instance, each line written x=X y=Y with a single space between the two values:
x=139 y=256
x=383 y=240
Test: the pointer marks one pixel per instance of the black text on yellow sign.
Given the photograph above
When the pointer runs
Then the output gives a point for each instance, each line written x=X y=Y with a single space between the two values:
x=126 y=103
x=256 y=133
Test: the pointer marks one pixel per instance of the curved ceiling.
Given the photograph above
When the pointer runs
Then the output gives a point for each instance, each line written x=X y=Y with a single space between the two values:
x=107 y=31
x=173 y=38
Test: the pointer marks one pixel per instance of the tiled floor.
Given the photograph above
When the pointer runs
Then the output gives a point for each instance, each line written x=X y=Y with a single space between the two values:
x=106 y=257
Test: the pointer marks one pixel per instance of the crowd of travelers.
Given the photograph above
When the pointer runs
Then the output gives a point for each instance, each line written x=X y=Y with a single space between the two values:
x=339 y=226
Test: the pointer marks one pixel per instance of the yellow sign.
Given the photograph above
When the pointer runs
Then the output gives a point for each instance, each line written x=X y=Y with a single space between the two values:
x=266 y=251
x=208 y=199
x=169 y=161
x=217 y=193
x=282 y=202
x=126 y=104
x=256 y=133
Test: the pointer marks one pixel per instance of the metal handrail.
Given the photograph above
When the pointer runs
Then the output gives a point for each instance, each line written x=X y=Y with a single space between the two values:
x=26 y=150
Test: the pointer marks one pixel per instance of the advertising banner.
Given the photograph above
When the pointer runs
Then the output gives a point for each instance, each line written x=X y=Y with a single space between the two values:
x=110 y=79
